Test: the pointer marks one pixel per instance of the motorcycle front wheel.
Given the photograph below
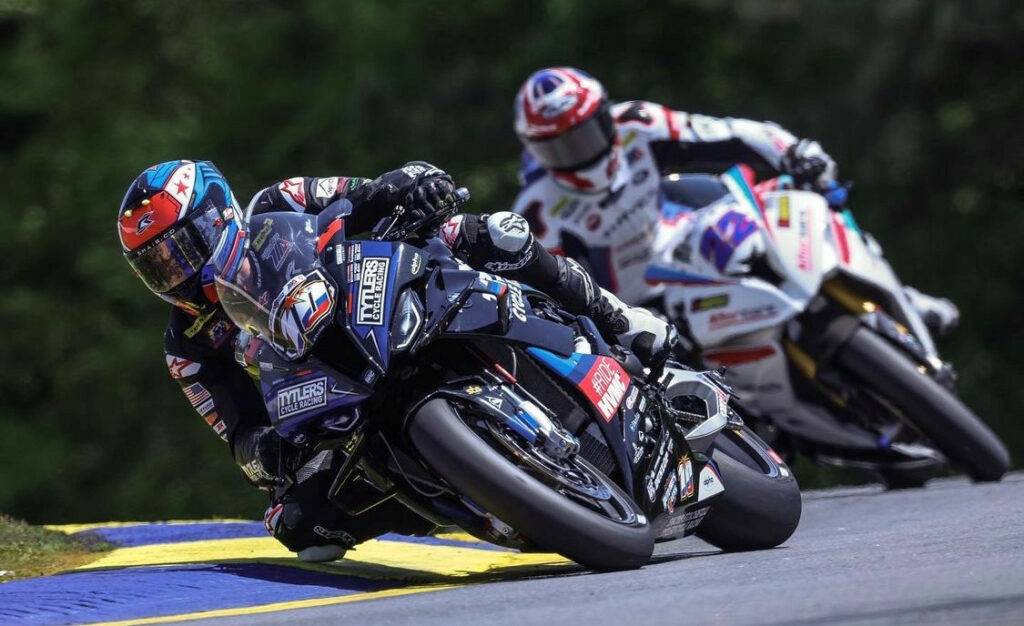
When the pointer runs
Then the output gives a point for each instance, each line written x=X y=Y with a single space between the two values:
x=539 y=511
x=928 y=406
x=761 y=506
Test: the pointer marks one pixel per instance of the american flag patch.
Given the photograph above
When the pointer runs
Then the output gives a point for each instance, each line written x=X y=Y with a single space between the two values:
x=196 y=394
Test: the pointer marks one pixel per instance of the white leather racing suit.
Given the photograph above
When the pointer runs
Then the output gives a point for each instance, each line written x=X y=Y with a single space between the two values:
x=613 y=232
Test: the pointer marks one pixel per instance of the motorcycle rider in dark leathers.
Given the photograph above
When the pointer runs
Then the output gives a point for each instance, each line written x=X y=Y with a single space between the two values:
x=592 y=172
x=171 y=220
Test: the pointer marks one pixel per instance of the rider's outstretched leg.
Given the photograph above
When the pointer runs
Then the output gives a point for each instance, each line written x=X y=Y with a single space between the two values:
x=502 y=243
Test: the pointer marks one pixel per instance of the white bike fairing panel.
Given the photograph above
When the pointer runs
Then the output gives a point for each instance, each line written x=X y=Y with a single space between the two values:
x=758 y=374
x=801 y=221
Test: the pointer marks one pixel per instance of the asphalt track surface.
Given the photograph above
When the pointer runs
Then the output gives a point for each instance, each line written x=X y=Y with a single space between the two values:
x=952 y=553
x=947 y=554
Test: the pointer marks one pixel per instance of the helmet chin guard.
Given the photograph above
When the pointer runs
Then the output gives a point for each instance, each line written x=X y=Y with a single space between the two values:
x=605 y=175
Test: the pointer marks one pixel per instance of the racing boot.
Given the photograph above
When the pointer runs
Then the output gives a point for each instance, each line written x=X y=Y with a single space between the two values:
x=940 y=315
x=649 y=337
x=317 y=530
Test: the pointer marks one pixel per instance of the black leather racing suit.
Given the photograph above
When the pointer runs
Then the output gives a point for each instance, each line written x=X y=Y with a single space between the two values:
x=201 y=352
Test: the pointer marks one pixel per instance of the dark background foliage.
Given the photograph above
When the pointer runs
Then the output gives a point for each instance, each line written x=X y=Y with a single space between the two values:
x=919 y=100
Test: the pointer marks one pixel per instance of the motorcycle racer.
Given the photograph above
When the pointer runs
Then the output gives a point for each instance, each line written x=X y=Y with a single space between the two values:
x=592 y=172
x=170 y=223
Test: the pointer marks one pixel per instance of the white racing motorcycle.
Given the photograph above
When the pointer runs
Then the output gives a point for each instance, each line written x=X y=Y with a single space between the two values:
x=815 y=331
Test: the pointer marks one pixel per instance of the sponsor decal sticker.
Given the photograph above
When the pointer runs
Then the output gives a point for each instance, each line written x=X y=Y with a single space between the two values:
x=605 y=385
x=710 y=483
x=450 y=230
x=302 y=397
x=631 y=400
x=803 y=254
x=181 y=368
x=417 y=264
x=693 y=519
x=515 y=296
x=685 y=472
x=657 y=471
x=206 y=407
x=711 y=302
x=784 y=212
x=474 y=389
x=372 y=288
x=669 y=495
x=559 y=206
x=743 y=316
x=312 y=302
x=327 y=187
x=277 y=251
x=261 y=237
x=197 y=325
x=293 y=191
x=144 y=223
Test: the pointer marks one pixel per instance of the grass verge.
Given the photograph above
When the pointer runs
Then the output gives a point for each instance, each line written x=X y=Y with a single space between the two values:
x=27 y=550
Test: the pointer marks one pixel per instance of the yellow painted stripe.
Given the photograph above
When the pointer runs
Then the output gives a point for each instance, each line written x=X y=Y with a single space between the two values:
x=280 y=606
x=374 y=557
x=75 y=528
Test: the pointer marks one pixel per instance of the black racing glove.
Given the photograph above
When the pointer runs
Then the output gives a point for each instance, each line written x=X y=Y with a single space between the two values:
x=426 y=193
x=808 y=164
x=263 y=456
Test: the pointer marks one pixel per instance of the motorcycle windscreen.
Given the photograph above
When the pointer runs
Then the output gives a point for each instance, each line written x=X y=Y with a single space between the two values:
x=271 y=284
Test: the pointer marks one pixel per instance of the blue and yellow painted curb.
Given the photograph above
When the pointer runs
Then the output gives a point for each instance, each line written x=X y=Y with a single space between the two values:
x=175 y=571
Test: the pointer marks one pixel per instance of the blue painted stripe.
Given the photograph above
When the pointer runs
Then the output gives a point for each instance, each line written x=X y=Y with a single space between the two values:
x=143 y=592
x=149 y=534
x=561 y=365
x=659 y=274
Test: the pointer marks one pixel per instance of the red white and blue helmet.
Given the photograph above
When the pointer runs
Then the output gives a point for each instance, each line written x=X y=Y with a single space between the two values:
x=170 y=222
x=563 y=118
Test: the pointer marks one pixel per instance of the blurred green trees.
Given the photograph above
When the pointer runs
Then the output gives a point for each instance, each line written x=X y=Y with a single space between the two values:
x=920 y=102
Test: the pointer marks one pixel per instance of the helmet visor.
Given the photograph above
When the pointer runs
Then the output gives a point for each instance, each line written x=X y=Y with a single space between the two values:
x=178 y=254
x=578 y=147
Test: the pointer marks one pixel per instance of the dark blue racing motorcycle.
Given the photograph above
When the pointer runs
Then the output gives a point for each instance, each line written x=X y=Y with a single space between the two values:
x=477 y=401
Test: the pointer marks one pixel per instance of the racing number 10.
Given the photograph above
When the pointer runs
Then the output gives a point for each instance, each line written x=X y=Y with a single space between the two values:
x=720 y=241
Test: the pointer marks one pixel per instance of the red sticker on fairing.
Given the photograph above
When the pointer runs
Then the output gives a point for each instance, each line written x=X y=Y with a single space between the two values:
x=605 y=385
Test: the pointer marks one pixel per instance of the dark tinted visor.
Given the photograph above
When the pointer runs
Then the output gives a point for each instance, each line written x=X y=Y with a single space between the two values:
x=578 y=147
x=178 y=254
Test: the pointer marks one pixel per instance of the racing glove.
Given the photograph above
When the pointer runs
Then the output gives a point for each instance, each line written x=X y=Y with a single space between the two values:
x=263 y=456
x=808 y=164
x=424 y=190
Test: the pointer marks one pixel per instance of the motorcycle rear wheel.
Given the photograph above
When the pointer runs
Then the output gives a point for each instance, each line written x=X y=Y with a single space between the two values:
x=548 y=518
x=931 y=408
x=761 y=506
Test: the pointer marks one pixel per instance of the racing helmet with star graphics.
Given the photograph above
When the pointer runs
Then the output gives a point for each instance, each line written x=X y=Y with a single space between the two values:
x=563 y=118
x=170 y=222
